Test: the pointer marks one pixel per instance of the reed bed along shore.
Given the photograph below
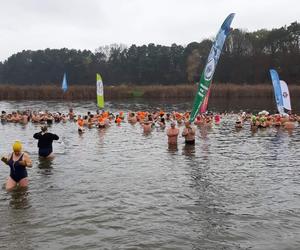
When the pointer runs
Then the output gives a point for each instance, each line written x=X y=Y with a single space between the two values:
x=86 y=92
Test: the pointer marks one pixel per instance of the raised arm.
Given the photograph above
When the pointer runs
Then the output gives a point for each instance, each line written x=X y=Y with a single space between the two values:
x=193 y=131
x=5 y=159
x=55 y=137
x=27 y=160
x=37 y=135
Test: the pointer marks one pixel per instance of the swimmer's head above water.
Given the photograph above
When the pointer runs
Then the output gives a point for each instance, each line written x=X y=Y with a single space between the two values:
x=17 y=146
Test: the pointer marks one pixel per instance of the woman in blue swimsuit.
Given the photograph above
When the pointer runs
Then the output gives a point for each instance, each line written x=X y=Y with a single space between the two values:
x=18 y=161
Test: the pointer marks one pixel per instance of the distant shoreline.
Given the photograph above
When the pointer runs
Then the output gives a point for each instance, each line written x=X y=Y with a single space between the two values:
x=87 y=92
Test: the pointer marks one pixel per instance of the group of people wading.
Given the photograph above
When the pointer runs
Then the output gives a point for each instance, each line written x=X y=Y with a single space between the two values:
x=148 y=121
x=266 y=120
x=19 y=160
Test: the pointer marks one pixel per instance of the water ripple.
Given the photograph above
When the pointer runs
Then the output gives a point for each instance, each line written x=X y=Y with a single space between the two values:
x=121 y=189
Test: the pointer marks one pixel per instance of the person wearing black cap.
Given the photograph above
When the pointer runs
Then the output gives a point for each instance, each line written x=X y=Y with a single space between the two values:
x=45 y=141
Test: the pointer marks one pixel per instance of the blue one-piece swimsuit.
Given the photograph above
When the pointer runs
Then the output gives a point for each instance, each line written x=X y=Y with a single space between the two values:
x=17 y=171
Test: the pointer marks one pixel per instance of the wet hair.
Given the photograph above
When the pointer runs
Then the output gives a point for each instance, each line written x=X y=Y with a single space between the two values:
x=44 y=128
x=49 y=121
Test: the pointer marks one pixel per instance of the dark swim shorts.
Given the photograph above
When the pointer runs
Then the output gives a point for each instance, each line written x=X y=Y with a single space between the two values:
x=44 y=152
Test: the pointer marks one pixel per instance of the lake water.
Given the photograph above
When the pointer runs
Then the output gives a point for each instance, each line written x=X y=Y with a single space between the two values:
x=119 y=189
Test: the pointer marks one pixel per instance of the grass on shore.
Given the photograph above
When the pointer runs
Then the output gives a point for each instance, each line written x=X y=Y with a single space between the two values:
x=83 y=92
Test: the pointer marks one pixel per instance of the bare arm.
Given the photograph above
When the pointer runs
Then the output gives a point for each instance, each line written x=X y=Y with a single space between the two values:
x=5 y=159
x=26 y=161
x=192 y=131
x=172 y=132
x=169 y=133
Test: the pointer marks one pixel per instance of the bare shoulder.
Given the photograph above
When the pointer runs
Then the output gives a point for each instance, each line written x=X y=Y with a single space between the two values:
x=26 y=155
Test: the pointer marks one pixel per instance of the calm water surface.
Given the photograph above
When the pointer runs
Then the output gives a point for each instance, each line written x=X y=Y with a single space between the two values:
x=119 y=189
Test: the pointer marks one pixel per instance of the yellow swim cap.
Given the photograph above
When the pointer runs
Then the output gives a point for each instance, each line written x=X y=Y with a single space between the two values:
x=17 y=147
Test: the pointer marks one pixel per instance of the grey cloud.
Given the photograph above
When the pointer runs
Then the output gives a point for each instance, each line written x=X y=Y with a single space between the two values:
x=88 y=24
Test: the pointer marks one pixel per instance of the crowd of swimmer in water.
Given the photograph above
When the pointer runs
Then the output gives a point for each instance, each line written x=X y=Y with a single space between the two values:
x=104 y=119
x=18 y=160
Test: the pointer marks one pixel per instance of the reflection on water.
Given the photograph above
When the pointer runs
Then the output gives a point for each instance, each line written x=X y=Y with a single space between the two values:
x=16 y=227
x=188 y=150
x=19 y=198
x=172 y=148
x=117 y=186
x=45 y=163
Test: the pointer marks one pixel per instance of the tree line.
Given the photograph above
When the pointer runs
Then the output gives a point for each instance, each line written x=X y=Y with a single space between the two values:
x=246 y=59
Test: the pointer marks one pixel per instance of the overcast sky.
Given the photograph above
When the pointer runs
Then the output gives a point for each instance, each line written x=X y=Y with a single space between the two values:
x=88 y=24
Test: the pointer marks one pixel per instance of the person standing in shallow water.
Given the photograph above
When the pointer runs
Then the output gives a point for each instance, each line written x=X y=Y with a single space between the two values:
x=172 y=134
x=189 y=134
x=45 y=141
x=18 y=161
x=147 y=127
